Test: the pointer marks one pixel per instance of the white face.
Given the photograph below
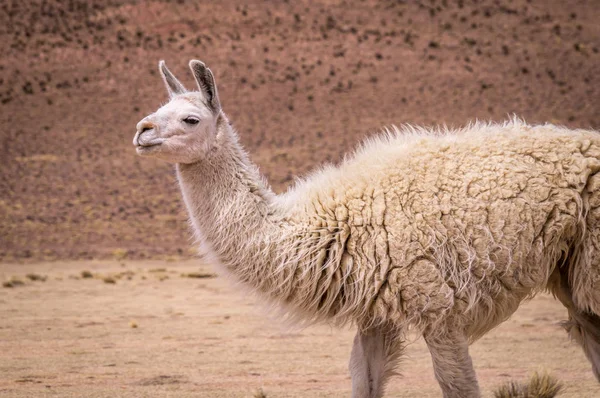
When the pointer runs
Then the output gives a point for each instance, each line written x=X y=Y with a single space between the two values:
x=182 y=131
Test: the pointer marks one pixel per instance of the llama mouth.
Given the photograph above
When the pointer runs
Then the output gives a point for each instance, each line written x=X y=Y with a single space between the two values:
x=149 y=144
x=147 y=147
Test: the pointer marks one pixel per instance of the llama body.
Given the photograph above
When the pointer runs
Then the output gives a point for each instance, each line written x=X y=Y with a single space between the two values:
x=441 y=232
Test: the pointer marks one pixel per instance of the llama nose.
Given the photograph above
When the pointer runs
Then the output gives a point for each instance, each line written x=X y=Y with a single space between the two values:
x=144 y=126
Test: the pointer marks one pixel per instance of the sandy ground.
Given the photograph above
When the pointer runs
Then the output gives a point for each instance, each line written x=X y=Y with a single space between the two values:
x=156 y=332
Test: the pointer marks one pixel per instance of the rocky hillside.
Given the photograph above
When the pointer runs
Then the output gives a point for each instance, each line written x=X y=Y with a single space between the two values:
x=303 y=81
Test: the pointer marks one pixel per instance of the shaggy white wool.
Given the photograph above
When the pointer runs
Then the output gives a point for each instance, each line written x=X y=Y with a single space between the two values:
x=418 y=225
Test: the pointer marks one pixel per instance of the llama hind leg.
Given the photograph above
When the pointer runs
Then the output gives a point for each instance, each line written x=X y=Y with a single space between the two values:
x=583 y=269
x=375 y=354
x=583 y=326
x=452 y=365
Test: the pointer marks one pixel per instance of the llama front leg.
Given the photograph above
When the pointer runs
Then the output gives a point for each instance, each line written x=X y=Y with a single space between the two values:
x=452 y=365
x=375 y=354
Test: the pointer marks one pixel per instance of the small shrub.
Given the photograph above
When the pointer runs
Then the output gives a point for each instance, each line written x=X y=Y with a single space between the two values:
x=260 y=393
x=86 y=274
x=538 y=386
x=14 y=282
x=119 y=254
x=36 y=277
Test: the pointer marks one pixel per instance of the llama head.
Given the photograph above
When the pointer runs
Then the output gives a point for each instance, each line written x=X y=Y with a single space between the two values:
x=185 y=129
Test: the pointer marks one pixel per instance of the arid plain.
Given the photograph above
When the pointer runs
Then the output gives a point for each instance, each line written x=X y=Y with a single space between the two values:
x=167 y=329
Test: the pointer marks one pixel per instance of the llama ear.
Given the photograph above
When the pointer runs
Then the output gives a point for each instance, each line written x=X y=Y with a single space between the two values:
x=206 y=84
x=174 y=87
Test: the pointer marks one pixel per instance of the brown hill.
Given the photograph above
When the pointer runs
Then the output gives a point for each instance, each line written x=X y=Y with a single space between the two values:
x=303 y=81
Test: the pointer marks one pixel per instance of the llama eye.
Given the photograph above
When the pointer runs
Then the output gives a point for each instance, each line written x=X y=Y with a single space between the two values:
x=191 y=120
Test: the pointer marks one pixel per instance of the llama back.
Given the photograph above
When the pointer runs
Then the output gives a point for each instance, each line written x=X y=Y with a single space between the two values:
x=473 y=220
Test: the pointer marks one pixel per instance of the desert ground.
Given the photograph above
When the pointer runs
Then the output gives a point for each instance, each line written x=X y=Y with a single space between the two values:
x=175 y=329
x=303 y=82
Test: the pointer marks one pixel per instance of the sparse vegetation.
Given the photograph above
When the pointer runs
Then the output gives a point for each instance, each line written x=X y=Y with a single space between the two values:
x=119 y=254
x=36 y=277
x=259 y=394
x=13 y=282
x=104 y=211
x=86 y=274
x=109 y=279
x=125 y=274
x=199 y=275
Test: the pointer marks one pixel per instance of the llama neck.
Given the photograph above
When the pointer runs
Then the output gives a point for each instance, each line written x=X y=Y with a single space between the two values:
x=254 y=238
x=230 y=206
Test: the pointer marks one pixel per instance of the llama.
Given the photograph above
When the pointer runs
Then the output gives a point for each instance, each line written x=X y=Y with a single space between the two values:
x=442 y=232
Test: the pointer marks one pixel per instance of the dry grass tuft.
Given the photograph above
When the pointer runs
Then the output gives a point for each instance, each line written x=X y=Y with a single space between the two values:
x=199 y=275
x=86 y=274
x=539 y=386
x=119 y=254
x=125 y=274
x=259 y=394
x=14 y=282
x=109 y=279
x=133 y=324
x=37 y=277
